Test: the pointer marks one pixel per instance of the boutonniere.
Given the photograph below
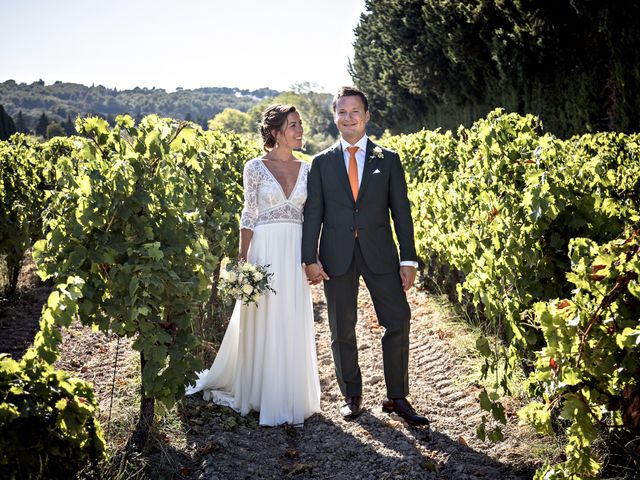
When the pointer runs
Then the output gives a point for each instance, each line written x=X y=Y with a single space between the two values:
x=377 y=153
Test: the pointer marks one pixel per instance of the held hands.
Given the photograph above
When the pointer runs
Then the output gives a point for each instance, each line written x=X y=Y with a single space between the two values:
x=315 y=273
x=408 y=276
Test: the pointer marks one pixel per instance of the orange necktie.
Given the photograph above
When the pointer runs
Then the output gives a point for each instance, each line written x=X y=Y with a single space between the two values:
x=353 y=171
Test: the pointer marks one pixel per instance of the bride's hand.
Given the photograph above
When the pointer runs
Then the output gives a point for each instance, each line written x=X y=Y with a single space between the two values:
x=315 y=273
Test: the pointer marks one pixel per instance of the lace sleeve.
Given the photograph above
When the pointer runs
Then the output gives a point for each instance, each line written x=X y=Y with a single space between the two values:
x=250 y=183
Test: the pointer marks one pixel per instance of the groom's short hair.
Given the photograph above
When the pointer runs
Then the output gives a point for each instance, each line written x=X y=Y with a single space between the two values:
x=350 y=92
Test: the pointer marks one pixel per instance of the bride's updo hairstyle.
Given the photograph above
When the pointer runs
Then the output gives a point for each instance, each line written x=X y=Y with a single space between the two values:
x=273 y=119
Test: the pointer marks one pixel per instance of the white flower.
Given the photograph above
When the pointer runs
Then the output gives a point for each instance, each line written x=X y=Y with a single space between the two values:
x=377 y=152
x=245 y=281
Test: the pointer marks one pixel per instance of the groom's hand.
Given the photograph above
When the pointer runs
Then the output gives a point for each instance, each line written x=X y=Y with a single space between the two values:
x=315 y=273
x=408 y=276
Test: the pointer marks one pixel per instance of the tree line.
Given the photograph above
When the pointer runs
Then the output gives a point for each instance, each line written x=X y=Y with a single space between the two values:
x=50 y=111
x=62 y=102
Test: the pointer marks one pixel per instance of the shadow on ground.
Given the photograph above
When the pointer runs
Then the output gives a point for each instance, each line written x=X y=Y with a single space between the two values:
x=224 y=445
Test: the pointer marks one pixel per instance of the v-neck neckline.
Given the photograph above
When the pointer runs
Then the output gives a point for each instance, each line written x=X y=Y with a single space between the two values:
x=287 y=198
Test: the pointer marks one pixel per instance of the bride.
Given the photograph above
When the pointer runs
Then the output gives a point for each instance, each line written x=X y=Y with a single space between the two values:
x=267 y=359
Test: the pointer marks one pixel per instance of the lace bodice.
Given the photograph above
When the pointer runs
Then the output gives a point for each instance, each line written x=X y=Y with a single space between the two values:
x=264 y=199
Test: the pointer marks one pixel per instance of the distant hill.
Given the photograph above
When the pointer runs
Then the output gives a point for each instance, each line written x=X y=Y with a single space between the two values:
x=61 y=101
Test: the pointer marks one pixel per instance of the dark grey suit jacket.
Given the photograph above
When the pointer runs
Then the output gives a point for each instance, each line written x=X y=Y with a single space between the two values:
x=330 y=208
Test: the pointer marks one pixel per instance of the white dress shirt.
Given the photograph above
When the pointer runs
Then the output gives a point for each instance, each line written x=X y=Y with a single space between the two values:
x=360 y=154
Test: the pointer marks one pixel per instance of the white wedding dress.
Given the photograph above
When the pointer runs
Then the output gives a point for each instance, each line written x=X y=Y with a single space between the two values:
x=267 y=359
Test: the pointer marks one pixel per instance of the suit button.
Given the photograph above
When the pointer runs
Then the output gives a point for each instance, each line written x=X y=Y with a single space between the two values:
x=356 y=210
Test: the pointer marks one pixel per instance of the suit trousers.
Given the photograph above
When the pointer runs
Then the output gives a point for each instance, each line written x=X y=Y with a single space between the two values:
x=394 y=315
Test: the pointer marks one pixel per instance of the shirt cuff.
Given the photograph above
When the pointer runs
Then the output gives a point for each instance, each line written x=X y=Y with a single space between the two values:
x=409 y=263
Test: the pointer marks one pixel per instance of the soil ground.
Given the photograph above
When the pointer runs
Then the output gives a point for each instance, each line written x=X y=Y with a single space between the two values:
x=198 y=440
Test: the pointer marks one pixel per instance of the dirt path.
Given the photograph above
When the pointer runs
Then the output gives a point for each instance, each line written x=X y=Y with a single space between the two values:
x=20 y=315
x=376 y=445
x=203 y=441
x=211 y=442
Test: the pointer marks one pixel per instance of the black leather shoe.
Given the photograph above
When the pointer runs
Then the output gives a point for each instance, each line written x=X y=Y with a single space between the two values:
x=403 y=408
x=352 y=407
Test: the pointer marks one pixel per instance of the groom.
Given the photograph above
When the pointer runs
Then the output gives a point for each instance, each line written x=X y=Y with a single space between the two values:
x=351 y=189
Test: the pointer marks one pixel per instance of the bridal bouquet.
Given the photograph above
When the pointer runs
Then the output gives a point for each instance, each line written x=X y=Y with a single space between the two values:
x=244 y=281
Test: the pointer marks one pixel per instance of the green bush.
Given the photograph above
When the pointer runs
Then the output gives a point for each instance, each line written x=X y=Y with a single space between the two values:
x=514 y=215
x=47 y=424
x=20 y=201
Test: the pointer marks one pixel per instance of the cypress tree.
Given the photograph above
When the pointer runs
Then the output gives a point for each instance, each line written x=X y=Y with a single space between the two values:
x=41 y=126
x=7 y=126
x=439 y=63
x=69 y=126
x=21 y=124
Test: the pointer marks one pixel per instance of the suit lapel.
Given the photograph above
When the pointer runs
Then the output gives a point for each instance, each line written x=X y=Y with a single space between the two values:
x=369 y=165
x=341 y=171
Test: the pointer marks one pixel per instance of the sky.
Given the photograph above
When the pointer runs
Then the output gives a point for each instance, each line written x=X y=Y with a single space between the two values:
x=171 y=43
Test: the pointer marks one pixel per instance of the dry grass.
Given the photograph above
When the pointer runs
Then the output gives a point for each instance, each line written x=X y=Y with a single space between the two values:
x=4 y=274
x=167 y=435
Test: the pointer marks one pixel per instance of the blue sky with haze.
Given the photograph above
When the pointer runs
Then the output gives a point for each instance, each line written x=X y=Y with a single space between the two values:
x=169 y=44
